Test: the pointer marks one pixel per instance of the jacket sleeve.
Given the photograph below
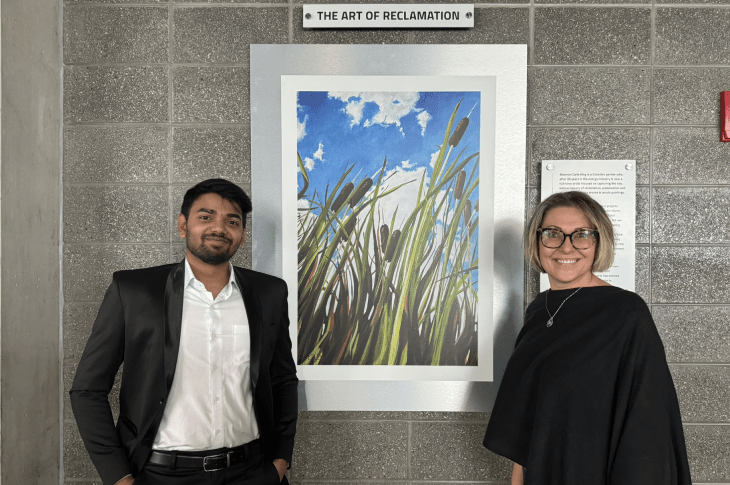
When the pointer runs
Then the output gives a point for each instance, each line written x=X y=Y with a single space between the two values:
x=284 y=388
x=94 y=379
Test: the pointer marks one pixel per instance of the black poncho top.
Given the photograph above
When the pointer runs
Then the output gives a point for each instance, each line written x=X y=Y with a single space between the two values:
x=590 y=400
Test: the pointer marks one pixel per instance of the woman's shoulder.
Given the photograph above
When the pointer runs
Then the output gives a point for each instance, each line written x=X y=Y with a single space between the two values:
x=627 y=299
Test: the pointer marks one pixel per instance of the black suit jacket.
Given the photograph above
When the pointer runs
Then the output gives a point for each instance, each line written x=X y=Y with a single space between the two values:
x=139 y=323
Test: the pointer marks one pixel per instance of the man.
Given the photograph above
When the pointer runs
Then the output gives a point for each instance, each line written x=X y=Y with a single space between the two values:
x=209 y=386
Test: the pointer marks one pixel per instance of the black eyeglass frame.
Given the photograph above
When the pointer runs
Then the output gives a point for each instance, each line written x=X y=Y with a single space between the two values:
x=593 y=232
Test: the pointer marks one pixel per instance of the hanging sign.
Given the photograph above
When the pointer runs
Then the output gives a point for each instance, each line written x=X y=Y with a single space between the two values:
x=612 y=183
x=388 y=16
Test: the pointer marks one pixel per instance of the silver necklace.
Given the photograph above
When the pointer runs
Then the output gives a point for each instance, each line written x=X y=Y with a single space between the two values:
x=550 y=321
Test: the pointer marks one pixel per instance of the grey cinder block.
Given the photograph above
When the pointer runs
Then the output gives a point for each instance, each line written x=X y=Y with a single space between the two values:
x=694 y=333
x=94 y=34
x=692 y=36
x=603 y=96
x=223 y=35
x=115 y=94
x=113 y=154
x=685 y=155
x=685 y=215
x=103 y=213
x=708 y=449
x=595 y=36
x=703 y=391
x=202 y=153
x=454 y=451
x=689 y=96
x=690 y=274
x=211 y=95
x=87 y=269
x=340 y=450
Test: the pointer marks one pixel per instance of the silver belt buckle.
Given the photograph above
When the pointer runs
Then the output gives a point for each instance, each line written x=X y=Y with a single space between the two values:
x=205 y=462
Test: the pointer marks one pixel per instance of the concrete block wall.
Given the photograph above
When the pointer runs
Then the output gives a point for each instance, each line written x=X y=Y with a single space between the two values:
x=156 y=98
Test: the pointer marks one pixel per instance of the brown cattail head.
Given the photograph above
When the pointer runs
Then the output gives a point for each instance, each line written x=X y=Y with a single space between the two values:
x=460 y=180
x=346 y=190
x=384 y=233
x=458 y=132
x=392 y=245
x=360 y=191
x=348 y=228
x=467 y=212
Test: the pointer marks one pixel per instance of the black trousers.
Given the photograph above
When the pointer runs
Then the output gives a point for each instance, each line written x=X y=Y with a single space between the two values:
x=253 y=471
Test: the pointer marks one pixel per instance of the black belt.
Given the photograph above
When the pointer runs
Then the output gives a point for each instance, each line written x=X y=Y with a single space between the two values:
x=207 y=461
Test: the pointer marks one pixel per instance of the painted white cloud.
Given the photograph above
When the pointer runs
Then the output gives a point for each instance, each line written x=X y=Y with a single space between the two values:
x=403 y=199
x=392 y=107
x=318 y=154
x=301 y=129
x=406 y=164
x=423 y=118
x=309 y=162
x=434 y=156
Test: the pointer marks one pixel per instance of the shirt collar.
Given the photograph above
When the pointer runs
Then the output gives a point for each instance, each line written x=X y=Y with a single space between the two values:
x=190 y=277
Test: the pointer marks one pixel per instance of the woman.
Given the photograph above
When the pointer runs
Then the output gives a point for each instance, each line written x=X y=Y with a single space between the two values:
x=587 y=397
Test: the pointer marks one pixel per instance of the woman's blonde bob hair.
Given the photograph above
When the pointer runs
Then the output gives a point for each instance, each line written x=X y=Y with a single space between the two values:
x=593 y=212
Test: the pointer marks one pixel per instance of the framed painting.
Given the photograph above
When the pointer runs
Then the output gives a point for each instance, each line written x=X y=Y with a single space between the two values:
x=390 y=197
x=392 y=264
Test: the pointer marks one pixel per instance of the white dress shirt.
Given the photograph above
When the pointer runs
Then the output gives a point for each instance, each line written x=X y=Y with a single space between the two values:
x=210 y=403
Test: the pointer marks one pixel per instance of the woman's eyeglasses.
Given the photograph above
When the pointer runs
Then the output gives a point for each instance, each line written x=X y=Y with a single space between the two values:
x=580 y=239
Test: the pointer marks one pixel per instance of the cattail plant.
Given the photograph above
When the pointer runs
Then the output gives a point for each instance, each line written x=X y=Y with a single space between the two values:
x=460 y=180
x=348 y=228
x=459 y=132
x=361 y=191
x=467 y=212
x=392 y=244
x=344 y=194
x=384 y=233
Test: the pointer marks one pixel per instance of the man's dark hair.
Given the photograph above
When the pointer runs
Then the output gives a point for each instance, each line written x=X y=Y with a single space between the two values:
x=224 y=188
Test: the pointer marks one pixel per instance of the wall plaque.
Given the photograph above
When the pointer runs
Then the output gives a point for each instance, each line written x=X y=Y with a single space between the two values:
x=388 y=16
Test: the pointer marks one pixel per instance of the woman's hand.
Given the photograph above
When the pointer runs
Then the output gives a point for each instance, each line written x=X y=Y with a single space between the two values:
x=517 y=478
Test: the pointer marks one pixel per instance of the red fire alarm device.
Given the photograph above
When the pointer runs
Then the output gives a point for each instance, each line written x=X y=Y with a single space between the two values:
x=725 y=116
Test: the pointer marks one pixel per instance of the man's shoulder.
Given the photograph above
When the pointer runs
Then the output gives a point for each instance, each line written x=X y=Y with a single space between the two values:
x=259 y=277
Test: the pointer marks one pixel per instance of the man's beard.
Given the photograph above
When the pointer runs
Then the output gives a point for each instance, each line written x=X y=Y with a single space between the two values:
x=214 y=257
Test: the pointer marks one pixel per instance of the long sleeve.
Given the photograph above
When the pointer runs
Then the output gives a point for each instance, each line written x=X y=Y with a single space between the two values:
x=284 y=384
x=94 y=379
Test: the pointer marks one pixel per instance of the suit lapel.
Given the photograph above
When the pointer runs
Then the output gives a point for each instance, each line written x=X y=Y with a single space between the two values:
x=255 y=323
x=174 y=291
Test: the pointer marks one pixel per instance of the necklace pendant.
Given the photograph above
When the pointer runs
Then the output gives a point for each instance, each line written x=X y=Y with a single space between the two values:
x=550 y=322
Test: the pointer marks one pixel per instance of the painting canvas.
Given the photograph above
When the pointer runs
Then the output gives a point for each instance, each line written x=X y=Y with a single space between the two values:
x=390 y=222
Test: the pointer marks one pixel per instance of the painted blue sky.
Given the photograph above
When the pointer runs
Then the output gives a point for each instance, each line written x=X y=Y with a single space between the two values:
x=337 y=129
